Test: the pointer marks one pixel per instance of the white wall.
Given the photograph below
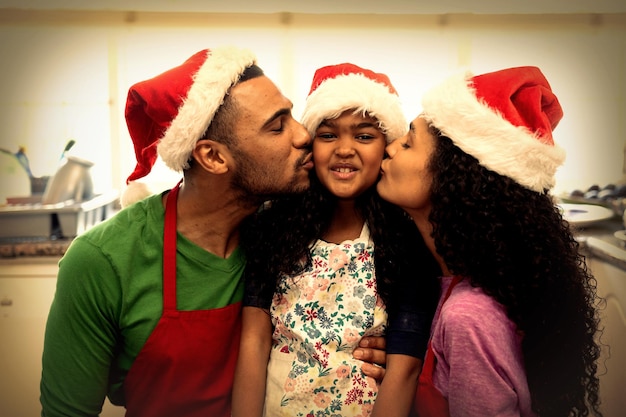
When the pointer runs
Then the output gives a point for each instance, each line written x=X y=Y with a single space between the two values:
x=65 y=74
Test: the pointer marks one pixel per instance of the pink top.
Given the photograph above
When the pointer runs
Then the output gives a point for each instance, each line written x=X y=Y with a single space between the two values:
x=480 y=366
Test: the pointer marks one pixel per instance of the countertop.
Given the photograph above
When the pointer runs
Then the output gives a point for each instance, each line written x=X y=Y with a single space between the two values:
x=597 y=240
x=27 y=250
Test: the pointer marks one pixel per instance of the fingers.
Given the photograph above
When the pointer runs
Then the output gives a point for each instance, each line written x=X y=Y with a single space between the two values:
x=373 y=356
x=373 y=342
x=371 y=351
x=376 y=372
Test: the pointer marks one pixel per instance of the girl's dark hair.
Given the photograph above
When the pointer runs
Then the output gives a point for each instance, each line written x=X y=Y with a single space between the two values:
x=514 y=244
x=277 y=242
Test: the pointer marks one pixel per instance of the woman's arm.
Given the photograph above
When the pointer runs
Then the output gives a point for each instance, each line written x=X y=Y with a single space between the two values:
x=397 y=391
x=251 y=370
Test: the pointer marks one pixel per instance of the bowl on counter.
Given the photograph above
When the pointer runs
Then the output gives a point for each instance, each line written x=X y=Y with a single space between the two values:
x=611 y=196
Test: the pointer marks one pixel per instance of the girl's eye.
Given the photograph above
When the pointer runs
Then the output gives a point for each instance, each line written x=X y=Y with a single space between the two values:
x=326 y=136
x=365 y=137
x=405 y=145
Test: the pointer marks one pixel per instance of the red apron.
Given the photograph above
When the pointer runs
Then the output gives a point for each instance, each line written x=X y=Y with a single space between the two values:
x=186 y=368
x=429 y=402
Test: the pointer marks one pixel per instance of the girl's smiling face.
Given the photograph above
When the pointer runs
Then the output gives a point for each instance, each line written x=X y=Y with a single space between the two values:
x=347 y=152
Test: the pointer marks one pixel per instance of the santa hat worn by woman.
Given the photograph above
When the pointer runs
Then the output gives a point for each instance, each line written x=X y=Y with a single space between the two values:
x=171 y=112
x=337 y=88
x=504 y=119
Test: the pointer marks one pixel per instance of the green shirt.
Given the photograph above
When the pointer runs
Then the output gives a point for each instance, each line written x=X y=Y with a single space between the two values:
x=109 y=299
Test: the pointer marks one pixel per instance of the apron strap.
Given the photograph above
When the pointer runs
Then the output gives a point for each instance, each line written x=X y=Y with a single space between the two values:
x=455 y=280
x=169 y=250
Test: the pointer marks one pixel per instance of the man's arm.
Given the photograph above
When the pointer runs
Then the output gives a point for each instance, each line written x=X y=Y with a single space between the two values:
x=80 y=338
x=251 y=370
x=371 y=350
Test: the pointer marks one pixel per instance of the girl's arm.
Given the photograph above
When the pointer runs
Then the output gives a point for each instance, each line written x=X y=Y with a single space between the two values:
x=397 y=391
x=251 y=370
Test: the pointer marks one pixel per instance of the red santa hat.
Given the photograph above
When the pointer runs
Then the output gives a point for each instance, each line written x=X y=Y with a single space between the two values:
x=504 y=119
x=171 y=112
x=337 y=88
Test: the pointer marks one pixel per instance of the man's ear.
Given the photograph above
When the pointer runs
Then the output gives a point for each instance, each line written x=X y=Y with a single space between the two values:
x=212 y=156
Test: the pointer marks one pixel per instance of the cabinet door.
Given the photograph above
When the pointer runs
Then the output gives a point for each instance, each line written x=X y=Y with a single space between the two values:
x=26 y=293
x=24 y=304
x=612 y=365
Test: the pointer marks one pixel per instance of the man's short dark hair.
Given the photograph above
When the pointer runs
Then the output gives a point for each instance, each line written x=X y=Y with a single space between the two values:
x=221 y=126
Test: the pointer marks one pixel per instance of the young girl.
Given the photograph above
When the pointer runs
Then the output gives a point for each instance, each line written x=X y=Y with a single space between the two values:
x=331 y=266
x=514 y=331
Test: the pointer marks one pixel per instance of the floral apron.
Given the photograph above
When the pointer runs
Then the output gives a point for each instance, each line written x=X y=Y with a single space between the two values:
x=319 y=317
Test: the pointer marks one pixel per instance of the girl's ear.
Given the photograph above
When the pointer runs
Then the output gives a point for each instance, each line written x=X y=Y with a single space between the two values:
x=212 y=156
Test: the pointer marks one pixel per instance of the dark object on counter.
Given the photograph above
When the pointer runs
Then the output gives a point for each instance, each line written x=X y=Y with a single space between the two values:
x=620 y=191
x=611 y=196
x=38 y=184
x=607 y=192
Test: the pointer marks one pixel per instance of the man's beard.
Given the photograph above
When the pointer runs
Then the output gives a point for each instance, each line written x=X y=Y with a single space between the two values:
x=252 y=184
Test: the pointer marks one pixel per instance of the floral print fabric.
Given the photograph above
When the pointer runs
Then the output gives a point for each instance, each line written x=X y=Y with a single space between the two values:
x=319 y=318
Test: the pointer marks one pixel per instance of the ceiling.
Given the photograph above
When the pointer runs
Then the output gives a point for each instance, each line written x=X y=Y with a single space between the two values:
x=330 y=6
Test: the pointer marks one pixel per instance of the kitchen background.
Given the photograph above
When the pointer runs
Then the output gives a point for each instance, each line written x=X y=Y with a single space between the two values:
x=66 y=67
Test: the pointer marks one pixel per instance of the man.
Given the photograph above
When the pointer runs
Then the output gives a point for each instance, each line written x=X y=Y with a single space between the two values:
x=147 y=308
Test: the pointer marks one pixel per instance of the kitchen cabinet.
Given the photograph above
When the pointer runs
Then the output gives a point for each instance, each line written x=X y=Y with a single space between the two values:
x=612 y=365
x=27 y=287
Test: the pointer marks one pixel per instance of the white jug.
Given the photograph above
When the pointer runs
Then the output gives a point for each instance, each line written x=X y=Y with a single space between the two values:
x=72 y=181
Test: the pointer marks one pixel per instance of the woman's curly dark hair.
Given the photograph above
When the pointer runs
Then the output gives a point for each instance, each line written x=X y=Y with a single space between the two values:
x=277 y=241
x=514 y=244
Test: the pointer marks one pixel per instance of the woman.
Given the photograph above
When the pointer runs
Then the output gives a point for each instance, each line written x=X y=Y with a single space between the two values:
x=330 y=266
x=514 y=331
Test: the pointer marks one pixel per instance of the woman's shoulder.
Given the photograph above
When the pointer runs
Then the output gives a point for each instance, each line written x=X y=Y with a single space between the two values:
x=470 y=307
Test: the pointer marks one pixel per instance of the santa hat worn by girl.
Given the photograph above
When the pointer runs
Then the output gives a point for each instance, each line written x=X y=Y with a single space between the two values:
x=171 y=112
x=504 y=119
x=337 y=88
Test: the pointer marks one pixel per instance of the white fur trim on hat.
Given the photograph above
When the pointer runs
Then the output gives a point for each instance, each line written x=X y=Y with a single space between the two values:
x=355 y=91
x=515 y=152
x=211 y=83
